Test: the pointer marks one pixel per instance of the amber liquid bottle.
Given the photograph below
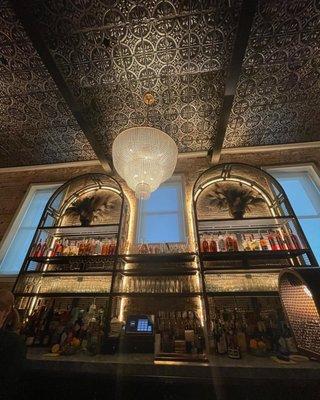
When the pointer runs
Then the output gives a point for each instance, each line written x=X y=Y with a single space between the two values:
x=263 y=243
x=229 y=243
x=204 y=245
x=213 y=245
x=295 y=240
x=273 y=242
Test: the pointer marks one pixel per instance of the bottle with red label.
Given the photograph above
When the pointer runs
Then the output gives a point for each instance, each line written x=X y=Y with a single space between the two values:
x=273 y=241
x=264 y=243
x=44 y=248
x=204 y=244
x=235 y=243
x=37 y=251
x=280 y=241
x=213 y=245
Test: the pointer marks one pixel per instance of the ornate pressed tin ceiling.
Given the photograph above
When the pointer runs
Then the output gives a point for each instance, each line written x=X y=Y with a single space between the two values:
x=110 y=53
x=36 y=126
x=278 y=95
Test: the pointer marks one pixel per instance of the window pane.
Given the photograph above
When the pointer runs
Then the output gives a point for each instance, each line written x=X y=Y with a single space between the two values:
x=166 y=198
x=161 y=228
x=13 y=259
x=300 y=199
x=311 y=228
x=161 y=218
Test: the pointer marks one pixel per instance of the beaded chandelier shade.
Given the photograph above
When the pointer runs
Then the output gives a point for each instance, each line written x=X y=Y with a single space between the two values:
x=144 y=157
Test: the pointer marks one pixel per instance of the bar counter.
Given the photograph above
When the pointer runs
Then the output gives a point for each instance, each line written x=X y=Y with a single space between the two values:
x=218 y=368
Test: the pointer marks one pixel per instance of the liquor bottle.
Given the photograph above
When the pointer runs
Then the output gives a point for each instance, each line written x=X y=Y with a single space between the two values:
x=76 y=248
x=245 y=243
x=112 y=247
x=288 y=241
x=241 y=338
x=221 y=341
x=37 y=252
x=93 y=247
x=295 y=240
x=264 y=243
x=221 y=242
x=235 y=243
x=229 y=243
x=280 y=241
x=81 y=248
x=273 y=241
x=254 y=243
x=65 y=247
x=233 y=347
x=204 y=244
x=43 y=251
x=213 y=245
x=98 y=249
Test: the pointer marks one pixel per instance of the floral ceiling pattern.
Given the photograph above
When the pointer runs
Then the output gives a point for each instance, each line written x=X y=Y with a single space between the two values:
x=112 y=52
x=278 y=95
x=36 y=124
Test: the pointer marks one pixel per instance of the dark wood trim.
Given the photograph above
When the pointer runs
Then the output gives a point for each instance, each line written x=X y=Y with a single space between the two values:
x=23 y=11
x=240 y=45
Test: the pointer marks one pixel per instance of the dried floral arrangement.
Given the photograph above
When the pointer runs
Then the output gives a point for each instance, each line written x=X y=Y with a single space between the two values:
x=236 y=200
x=91 y=208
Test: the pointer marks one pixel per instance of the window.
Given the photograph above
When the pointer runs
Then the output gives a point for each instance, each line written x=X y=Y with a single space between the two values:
x=302 y=186
x=17 y=241
x=161 y=217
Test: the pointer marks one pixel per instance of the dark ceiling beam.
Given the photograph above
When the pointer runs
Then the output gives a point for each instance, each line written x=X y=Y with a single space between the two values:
x=247 y=13
x=24 y=13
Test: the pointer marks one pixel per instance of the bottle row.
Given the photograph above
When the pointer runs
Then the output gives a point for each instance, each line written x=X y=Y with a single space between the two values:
x=179 y=332
x=161 y=284
x=234 y=333
x=66 y=329
x=67 y=247
x=275 y=240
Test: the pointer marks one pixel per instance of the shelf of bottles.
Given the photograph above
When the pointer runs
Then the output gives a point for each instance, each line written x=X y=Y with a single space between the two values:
x=68 y=324
x=179 y=334
x=249 y=325
x=247 y=232
x=252 y=238
x=76 y=247
x=73 y=254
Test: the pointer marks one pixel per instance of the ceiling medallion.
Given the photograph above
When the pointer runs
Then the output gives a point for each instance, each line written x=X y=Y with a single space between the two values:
x=149 y=99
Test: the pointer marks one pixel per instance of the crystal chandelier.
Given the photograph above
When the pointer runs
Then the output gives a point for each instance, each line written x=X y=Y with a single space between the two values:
x=144 y=157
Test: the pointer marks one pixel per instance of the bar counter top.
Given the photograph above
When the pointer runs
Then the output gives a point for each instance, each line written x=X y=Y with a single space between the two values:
x=144 y=366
